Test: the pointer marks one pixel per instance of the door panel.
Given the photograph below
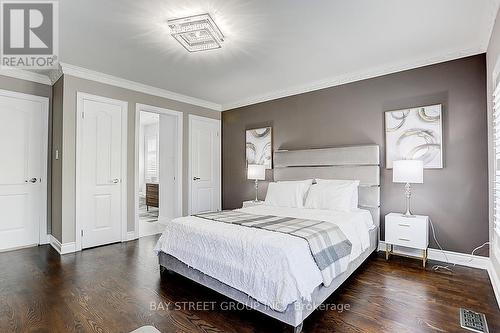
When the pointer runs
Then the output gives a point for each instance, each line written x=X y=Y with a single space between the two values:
x=21 y=157
x=100 y=173
x=205 y=164
x=168 y=167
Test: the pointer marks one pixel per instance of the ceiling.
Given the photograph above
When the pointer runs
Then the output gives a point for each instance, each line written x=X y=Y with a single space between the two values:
x=272 y=48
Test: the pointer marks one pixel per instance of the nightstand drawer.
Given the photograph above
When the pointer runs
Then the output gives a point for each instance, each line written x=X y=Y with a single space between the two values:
x=409 y=232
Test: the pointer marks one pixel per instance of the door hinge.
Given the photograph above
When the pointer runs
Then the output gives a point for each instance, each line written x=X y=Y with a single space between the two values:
x=83 y=115
x=82 y=232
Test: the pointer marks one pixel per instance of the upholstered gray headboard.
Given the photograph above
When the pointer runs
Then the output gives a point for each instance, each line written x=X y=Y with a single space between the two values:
x=350 y=163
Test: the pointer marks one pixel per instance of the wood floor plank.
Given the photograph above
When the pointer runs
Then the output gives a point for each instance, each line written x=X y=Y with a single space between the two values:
x=118 y=288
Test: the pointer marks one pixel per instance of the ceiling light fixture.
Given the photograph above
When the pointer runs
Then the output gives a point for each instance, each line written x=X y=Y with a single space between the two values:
x=196 y=33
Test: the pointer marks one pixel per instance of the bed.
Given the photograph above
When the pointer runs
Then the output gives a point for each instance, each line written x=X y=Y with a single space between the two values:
x=272 y=272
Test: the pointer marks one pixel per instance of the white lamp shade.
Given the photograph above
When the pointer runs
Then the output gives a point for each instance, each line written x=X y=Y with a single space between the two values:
x=408 y=171
x=256 y=171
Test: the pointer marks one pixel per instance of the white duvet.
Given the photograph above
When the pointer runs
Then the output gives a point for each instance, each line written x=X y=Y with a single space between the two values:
x=274 y=268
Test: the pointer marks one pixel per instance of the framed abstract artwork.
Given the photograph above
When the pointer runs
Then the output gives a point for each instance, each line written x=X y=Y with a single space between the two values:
x=259 y=146
x=415 y=134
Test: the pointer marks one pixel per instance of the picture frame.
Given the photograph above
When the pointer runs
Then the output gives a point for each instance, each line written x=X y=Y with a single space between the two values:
x=259 y=146
x=415 y=133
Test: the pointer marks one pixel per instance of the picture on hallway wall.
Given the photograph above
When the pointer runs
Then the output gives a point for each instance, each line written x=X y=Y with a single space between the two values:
x=415 y=134
x=259 y=146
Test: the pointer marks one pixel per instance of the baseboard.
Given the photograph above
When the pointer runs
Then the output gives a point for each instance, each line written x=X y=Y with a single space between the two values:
x=495 y=282
x=62 y=248
x=131 y=235
x=457 y=258
x=46 y=240
x=151 y=233
x=494 y=273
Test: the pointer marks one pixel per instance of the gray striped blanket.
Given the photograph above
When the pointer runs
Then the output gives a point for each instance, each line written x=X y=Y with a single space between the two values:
x=328 y=244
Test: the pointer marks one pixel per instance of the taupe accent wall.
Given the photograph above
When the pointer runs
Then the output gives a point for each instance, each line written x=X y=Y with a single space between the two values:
x=72 y=85
x=56 y=170
x=456 y=197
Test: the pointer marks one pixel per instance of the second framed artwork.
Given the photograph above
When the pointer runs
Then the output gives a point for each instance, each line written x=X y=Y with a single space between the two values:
x=259 y=146
x=415 y=133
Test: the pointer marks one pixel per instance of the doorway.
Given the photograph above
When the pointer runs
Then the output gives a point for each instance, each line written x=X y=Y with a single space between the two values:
x=101 y=171
x=204 y=165
x=23 y=170
x=158 y=168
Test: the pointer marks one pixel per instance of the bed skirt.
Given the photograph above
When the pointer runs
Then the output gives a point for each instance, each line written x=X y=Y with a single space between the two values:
x=296 y=312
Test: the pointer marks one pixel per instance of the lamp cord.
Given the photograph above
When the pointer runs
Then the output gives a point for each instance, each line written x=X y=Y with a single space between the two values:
x=447 y=267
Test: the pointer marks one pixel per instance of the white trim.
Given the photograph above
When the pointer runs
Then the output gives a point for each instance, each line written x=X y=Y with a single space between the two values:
x=44 y=101
x=80 y=97
x=26 y=75
x=179 y=155
x=62 y=248
x=462 y=259
x=495 y=281
x=88 y=74
x=45 y=240
x=349 y=77
x=190 y=145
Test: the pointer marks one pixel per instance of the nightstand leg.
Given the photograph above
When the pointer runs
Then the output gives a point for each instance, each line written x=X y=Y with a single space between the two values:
x=424 y=257
x=386 y=251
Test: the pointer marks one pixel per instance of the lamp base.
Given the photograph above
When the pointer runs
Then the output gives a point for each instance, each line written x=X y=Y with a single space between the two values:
x=408 y=213
x=256 y=191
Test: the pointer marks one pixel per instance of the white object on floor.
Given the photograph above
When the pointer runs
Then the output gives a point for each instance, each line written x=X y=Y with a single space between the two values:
x=408 y=231
x=146 y=329
x=251 y=203
x=274 y=268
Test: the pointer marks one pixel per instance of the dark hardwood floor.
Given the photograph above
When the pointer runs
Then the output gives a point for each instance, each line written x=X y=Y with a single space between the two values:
x=117 y=288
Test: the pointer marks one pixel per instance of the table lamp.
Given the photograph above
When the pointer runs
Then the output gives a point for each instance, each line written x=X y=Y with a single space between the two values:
x=408 y=172
x=256 y=172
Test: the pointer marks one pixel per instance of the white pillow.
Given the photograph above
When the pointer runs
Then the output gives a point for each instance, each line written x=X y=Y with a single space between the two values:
x=330 y=196
x=353 y=183
x=287 y=193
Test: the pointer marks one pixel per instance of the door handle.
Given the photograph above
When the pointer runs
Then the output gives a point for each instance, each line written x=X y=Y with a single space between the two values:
x=32 y=180
x=196 y=178
x=115 y=181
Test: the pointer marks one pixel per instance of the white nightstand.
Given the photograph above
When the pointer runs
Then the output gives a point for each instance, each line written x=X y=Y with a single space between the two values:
x=252 y=203
x=412 y=232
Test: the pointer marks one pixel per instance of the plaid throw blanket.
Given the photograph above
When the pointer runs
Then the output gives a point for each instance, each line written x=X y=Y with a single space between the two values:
x=328 y=244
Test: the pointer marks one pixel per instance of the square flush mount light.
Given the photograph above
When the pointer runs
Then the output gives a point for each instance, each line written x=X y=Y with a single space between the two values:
x=196 y=33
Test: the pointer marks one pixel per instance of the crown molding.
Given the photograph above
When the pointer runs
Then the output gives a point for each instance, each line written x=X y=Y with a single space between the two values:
x=55 y=75
x=351 y=77
x=26 y=75
x=88 y=74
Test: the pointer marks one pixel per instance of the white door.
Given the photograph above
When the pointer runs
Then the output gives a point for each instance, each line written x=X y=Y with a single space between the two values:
x=23 y=158
x=100 y=176
x=204 y=159
x=168 y=163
